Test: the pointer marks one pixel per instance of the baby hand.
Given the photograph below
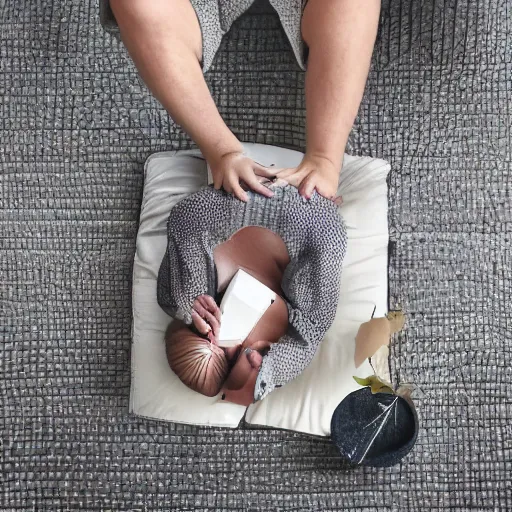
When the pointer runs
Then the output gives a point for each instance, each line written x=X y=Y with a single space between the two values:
x=233 y=171
x=206 y=317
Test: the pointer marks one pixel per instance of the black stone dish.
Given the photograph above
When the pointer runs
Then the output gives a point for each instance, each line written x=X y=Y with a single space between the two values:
x=374 y=429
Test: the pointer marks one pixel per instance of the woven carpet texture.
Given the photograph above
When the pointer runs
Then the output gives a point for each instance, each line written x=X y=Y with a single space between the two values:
x=76 y=126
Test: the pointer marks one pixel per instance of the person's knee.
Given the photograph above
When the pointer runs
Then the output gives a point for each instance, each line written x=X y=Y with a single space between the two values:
x=174 y=19
x=317 y=16
x=131 y=10
x=322 y=18
x=309 y=22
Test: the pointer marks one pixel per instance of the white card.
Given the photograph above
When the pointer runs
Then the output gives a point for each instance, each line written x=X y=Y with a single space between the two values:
x=244 y=303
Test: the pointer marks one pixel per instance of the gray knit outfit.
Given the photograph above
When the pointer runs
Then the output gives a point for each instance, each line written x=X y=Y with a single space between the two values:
x=315 y=236
x=216 y=17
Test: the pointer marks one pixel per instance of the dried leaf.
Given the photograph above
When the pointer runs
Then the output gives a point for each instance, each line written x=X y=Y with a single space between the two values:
x=405 y=391
x=362 y=382
x=375 y=384
x=370 y=337
x=380 y=363
x=396 y=321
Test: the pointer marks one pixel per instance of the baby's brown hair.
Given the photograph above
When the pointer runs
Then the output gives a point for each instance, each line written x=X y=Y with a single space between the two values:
x=199 y=364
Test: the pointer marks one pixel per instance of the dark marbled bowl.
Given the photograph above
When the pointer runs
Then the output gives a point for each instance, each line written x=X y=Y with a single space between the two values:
x=374 y=429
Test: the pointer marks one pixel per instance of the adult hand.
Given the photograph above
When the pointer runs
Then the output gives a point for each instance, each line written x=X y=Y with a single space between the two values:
x=314 y=173
x=234 y=171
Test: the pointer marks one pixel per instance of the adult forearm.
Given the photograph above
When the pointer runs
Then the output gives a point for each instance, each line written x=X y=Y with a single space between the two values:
x=340 y=35
x=190 y=104
x=181 y=89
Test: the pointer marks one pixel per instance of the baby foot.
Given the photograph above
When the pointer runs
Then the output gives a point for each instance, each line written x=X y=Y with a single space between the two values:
x=206 y=317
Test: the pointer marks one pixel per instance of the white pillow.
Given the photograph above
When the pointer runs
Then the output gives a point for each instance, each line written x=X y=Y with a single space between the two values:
x=307 y=403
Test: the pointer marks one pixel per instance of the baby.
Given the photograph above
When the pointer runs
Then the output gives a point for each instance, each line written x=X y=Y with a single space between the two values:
x=196 y=357
x=293 y=246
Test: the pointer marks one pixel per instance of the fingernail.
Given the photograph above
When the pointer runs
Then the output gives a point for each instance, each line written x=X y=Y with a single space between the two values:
x=247 y=351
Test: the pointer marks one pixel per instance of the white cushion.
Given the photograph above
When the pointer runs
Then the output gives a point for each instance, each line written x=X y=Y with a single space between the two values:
x=307 y=403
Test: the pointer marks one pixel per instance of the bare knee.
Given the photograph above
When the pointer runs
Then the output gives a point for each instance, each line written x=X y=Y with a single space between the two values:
x=316 y=17
x=171 y=19
x=142 y=11
x=127 y=11
x=322 y=19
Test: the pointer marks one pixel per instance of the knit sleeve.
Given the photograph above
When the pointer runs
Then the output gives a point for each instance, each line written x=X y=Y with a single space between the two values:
x=187 y=269
x=311 y=286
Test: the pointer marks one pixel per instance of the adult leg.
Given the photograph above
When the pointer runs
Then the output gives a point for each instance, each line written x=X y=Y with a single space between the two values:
x=340 y=35
x=163 y=38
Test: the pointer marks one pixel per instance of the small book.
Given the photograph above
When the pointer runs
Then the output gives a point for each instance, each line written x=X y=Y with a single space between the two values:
x=244 y=303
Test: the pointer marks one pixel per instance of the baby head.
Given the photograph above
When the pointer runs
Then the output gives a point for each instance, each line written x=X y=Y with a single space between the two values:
x=199 y=364
x=205 y=367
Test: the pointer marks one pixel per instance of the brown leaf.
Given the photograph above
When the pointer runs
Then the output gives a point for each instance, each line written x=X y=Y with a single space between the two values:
x=396 y=321
x=370 y=337
x=380 y=362
x=405 y=391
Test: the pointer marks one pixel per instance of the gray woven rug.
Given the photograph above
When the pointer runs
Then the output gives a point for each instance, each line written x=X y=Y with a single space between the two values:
x=76 y=127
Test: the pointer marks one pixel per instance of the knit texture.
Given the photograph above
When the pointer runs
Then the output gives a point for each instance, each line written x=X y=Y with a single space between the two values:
x=78 y=126
x=315 y=236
